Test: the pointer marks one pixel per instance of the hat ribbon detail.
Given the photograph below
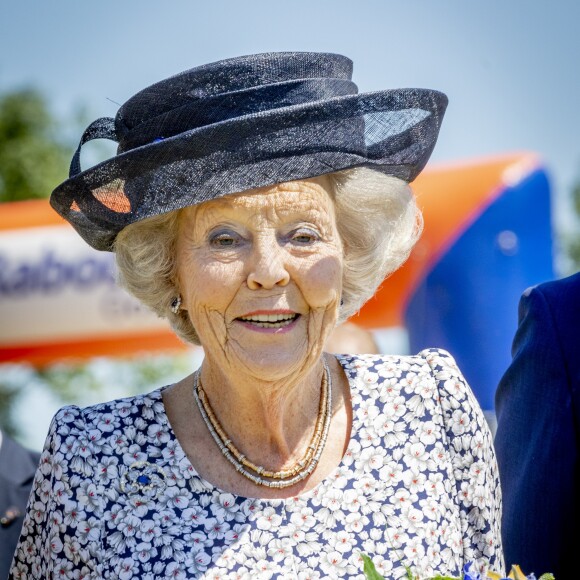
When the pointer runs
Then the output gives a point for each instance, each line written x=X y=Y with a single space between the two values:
x=103 y=128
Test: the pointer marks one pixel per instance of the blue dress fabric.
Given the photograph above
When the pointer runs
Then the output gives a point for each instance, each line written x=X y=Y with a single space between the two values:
x=538 y=432
x=116 y=497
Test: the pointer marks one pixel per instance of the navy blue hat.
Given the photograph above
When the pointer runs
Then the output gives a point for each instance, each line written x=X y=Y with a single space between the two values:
x=239 y=124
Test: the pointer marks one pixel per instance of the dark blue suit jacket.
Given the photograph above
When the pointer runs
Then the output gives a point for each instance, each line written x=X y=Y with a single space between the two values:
x=538 y=433
x=17 y=469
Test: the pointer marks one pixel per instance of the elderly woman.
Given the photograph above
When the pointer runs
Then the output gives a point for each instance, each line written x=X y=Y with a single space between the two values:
x=256 y=202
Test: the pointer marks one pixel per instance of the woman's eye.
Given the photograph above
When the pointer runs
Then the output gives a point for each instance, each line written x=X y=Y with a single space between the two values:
x=224 y=240
x=305 y=236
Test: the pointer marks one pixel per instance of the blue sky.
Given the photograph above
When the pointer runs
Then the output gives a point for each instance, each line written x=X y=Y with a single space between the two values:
x=509 y=68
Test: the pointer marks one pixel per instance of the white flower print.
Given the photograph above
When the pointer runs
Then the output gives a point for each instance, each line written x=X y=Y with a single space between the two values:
x=391 y=473
x=396 y=436
x=414 y=480
x=80 y=465
x=427 y=432
x=164 y=517
x=172 y=548
x=371 y=458
x=480 y=497
x=390 y=388
x=435 y=484
x=118 y=441
x=88 y=496
x=466 y=492
x=477 y=472
x=487 y=544
x=107 y=422
x=55 y=545
x=277 y=550
x=129 y=525
x=193 y=514
x=56 y=522
x=332 y=500
x=123 y=409
x=140 y=505
x=366 y=484
x=460 y=422
x=71 y=548
x=149 y=530
x=353 y=501
x=393 y=369
x=38 y=511
x=269 y=519
x=175 y=497
x=260 y=541
x=215 y=529
x=175 y=571
x=438 y=454
x=308 y=573
x=158 y=433
x=418 y=407
x=417 y=433
x=200 y=563
x=93 y=441
x=145 y=551
x=88 y=530
x=413 y=520
x=308 y=544
x=45 y=465
x=431 y=508
x=226 y=506
x=84 y=574
x=64 y=569
x=333 y=564
x=355 y=522
x=367 y=410
x=134 y=454
x=106 y=470
x=57 y=466
x=342 y=542
x=340 y=477
x=416 y=456
x=352 y=451
x=198 y=540
x=369 y=437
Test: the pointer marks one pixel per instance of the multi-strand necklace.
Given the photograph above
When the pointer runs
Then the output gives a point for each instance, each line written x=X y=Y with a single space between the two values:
x=256 y=473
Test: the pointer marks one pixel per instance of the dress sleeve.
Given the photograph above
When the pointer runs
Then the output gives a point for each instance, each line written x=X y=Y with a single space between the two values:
x=58 y=537
x=469 y=442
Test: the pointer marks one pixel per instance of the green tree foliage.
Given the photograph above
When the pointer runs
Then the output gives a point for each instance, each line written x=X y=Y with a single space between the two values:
x=33 y=158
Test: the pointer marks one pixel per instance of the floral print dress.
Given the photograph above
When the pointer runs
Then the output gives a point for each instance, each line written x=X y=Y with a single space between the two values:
x=116 y=497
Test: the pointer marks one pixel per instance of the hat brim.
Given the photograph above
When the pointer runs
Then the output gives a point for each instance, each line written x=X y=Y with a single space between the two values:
x=391 y=131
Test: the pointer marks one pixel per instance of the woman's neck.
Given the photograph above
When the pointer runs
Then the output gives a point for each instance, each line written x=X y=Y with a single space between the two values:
x=270 y=421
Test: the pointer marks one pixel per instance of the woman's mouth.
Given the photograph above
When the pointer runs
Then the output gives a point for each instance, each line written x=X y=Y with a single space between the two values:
x=270 y=321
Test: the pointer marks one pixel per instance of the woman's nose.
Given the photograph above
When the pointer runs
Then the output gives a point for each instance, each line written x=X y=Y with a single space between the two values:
x=268 y=268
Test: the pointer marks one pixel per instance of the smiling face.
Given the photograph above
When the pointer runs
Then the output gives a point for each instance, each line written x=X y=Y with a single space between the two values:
x=260 y=275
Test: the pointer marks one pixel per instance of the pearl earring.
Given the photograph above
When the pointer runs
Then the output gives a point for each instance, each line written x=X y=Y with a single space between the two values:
x=176 y=304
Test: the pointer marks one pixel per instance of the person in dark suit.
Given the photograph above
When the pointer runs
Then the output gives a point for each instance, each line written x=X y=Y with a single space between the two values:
x=538 y=432
x=17 y=468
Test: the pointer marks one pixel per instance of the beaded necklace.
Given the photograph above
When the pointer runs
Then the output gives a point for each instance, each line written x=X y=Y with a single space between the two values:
x=256 y=473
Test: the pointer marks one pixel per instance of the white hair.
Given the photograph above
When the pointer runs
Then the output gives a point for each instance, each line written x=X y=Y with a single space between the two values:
x=378 y=222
